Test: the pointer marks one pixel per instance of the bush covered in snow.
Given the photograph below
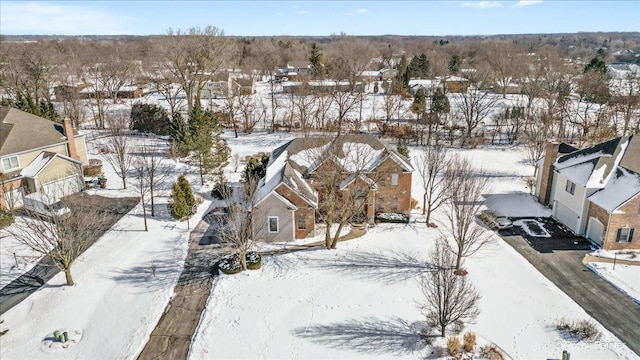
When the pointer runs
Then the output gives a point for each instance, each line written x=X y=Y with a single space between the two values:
x=254 y=260
x=230 y=264
x=579 y=329
x=392 y=218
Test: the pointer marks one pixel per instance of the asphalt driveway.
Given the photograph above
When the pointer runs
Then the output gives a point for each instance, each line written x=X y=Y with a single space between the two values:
x=613 y=309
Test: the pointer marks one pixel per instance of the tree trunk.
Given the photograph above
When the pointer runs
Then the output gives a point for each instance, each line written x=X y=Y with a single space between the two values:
x=153 y=210
x=337 y=235
x=243 y=259
x=67 y=274
x=124 y=180
x=327 y=233
x=442 y=330
x=144 y=215
x=201 y=170
x=424 y=204
x=428 y=217
x=458 y=260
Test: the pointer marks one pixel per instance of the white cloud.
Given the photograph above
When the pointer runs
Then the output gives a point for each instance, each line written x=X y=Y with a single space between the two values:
x=57 y=19
x=521 y=3
x=481 y=4
x=362 y=11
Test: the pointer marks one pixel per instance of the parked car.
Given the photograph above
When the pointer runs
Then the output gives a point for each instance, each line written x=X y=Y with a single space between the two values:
x=495 y=220
x=45 y=206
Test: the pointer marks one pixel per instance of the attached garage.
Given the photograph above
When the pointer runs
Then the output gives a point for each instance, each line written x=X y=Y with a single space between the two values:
x=566 y=216
x=595 y=230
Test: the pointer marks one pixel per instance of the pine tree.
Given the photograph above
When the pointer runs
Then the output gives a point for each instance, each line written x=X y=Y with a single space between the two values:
x=439 y=102
x=189 y=199
x=315 y=59
x=178 y=205
x=419 y=104
x=207 y=143
x=419 y=66
x=402 y=148
x=180 y=136
x=454 y=64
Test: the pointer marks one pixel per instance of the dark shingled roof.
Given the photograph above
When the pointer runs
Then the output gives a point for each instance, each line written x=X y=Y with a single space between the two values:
x=21 y=131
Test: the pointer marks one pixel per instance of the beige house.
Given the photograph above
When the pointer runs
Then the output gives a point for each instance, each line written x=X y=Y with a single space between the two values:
x=37 y=155
x=595 y=192
x=289 y=197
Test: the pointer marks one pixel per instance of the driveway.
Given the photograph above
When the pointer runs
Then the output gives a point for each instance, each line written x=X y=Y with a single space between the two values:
x=171 y=337
x=613 y=309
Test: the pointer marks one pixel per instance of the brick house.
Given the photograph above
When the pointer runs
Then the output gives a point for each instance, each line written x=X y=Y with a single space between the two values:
x=38 y=155
x=288 y=199
x=595 y=192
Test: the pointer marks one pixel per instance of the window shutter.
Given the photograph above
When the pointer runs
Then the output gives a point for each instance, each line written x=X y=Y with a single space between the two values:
x=618 y=235
x=631 y=235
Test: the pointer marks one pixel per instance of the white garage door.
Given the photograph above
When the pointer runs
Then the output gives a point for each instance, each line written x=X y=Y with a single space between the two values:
x=566 y=216
x=595 y=229
x=61 y=187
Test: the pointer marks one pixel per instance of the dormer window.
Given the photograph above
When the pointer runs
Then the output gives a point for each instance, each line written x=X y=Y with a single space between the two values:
x=10 y=163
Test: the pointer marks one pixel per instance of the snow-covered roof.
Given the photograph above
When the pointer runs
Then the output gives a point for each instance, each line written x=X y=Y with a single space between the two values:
x=291 y=161
x=621 y=188
x=40 y=162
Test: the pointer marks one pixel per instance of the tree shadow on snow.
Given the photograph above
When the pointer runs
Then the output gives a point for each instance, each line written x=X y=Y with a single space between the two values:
x=371 y=335
x=389 y=267
x=152 y=275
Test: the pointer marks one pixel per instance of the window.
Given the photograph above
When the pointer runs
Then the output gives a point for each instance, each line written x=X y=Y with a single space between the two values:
x=394 y=179
x=10 y=163
x=273 y=224
x=570 y=187
x=625 y=234
x=302 y=222
x=394 y=204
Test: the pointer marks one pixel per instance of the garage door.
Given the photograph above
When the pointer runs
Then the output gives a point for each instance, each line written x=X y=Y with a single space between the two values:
x=62 y=187
x=595 y=229
x=566 y=216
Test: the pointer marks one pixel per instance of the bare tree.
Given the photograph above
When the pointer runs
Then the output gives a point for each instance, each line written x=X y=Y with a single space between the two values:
x=344 y=183
x=473 y=107
x=626 y=99
x=142 y=183
x=431 y=165
x=192 y=55
x=149 y=164
x=119 y=148
x=62 y=238
x=537 y=134
x=465 y=187
x=448 y=298
x=236 y=227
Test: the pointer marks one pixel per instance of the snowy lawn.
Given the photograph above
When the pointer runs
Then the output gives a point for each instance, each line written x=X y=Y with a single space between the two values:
x=360 y=302
x=15 y=258
x=626 y=278
x=123 y=282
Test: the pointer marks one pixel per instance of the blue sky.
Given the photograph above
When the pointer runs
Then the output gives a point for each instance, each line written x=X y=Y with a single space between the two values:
x=258 y=18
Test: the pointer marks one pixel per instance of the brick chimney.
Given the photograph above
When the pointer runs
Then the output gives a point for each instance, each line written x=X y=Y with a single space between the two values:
x=71 y=141
x=550 y=157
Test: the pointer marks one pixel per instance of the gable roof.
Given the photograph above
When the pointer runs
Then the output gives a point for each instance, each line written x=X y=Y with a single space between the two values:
x=41 y=162
x=21 y=131
x=593 y=167
x=624 y=186
x=291 y=161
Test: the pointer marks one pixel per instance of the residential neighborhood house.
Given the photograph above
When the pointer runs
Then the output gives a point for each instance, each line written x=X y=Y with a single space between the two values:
x=287 y=199
x=38 y=155
x=595 y=192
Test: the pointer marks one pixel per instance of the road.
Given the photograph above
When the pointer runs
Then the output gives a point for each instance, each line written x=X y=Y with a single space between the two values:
x=613 y=309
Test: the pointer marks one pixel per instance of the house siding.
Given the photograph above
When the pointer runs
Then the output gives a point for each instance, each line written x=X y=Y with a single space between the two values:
x=386 y=192
x=272 y=206
x=304 y=208
x=28 y=157
x=626 y=215
x=81 y=149
x=57 y=169
x=575 y=202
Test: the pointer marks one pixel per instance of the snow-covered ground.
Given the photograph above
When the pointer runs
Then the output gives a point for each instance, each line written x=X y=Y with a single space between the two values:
x=15 y=258
x=117 y=299
x=626 y=278
x=359 y=301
